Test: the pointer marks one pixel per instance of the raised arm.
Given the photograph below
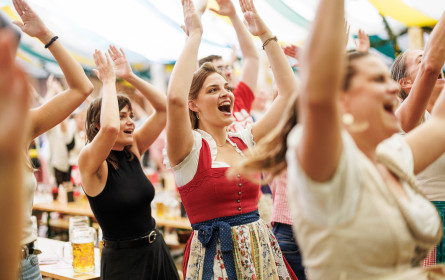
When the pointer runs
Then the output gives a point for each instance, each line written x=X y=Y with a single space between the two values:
x=282 y=71
x=153 y=126
x=60 y=107
x=323 y=58
x=362 y=44
x=427 y=141
x=251 y=61
x=14 y=107
x=179 y=132
x=92 y=157
x=412 y=109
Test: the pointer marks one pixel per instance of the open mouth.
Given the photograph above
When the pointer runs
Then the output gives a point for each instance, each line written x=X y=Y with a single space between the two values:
x=225 y=107
x=128 y=132
x=390 y=106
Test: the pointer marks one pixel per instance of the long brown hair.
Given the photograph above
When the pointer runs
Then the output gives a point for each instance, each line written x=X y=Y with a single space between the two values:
x=198 y=80
x=92 y=124
x=270 y=152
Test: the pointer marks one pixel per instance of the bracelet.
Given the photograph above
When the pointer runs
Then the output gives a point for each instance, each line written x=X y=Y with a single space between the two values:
x=274 y=38
x=53 y=39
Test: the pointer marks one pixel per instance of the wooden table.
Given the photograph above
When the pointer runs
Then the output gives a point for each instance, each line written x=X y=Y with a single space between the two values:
x=60 y=268
x=83 y=209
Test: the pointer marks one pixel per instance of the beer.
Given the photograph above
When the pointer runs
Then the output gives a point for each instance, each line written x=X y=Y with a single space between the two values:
x=83 y=257
x=160 y=209
x=101 y=245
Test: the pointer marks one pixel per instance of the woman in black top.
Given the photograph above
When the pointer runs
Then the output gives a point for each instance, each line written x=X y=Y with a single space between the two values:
x=116 y=186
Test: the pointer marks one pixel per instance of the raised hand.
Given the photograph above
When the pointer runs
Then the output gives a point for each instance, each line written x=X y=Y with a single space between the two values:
x=362 y=43
x=14 y=97
x=293 y=51
x=31 y=23
x=105 y=70
x=192 y=18
x=252 y=20
x=226 y=8
x=122 y=66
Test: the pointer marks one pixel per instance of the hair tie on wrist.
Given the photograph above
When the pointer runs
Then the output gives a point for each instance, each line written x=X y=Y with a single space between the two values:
x=274 y=38
x=53 y=39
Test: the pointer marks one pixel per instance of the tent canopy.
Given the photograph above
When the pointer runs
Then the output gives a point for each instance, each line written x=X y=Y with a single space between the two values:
x=149 y=30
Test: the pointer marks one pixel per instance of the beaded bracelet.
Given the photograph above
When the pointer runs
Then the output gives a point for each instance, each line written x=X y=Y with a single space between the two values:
x=274 y=38
x=53 y=39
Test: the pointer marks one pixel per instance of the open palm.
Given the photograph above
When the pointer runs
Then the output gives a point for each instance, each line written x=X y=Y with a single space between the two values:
x=121 y=64
x=254 y=23
x=31 y=23
x=226 y=8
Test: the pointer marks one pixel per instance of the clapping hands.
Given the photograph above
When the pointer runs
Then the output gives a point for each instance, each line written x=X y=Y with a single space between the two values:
x=105 y=71
x=122 y=66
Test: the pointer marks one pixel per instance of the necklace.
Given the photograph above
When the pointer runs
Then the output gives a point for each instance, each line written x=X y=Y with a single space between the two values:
x=222 y=144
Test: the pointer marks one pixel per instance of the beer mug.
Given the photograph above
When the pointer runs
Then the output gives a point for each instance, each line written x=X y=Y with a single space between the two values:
x=77 y=222
x=82 y=242
x=101 y=241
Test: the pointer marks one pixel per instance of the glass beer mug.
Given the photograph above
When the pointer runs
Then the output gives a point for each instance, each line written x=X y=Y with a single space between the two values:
x=82 y=242
x=77 y=222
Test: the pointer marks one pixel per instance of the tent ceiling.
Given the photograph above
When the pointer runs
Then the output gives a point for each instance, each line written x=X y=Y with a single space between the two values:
x=149 y=30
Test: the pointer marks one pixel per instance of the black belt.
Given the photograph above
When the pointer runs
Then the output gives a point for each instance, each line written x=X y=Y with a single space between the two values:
x=28 y=249
x=138 y=242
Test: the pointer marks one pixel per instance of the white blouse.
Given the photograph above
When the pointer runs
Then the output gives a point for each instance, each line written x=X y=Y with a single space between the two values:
x=186 y=170
x=335 y=201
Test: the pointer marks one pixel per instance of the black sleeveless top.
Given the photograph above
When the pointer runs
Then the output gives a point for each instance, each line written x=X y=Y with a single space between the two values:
x=123 y=209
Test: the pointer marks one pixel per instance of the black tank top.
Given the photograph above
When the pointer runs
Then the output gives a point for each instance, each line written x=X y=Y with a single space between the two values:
x=123 y=209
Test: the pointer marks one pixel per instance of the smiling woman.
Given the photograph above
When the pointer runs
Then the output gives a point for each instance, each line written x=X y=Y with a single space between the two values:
x=351 y=172
x=223 y=211
x=118 y=191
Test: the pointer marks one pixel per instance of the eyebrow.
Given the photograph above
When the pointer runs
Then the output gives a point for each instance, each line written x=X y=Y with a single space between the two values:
x=210 y=86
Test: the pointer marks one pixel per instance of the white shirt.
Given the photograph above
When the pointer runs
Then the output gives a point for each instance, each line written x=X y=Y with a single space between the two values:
x=186 y=170
x=335 y=201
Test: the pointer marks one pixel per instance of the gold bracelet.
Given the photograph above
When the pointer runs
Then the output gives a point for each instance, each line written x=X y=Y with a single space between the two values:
x=274 y=38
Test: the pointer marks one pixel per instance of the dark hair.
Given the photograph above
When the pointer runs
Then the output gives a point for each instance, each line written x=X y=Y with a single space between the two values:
x=92 y=124
x=350 y=69
x=198 y=80
x=399 y=70
x=209 y=58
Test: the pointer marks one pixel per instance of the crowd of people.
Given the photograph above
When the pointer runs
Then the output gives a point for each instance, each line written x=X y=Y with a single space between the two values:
x=353 y=150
